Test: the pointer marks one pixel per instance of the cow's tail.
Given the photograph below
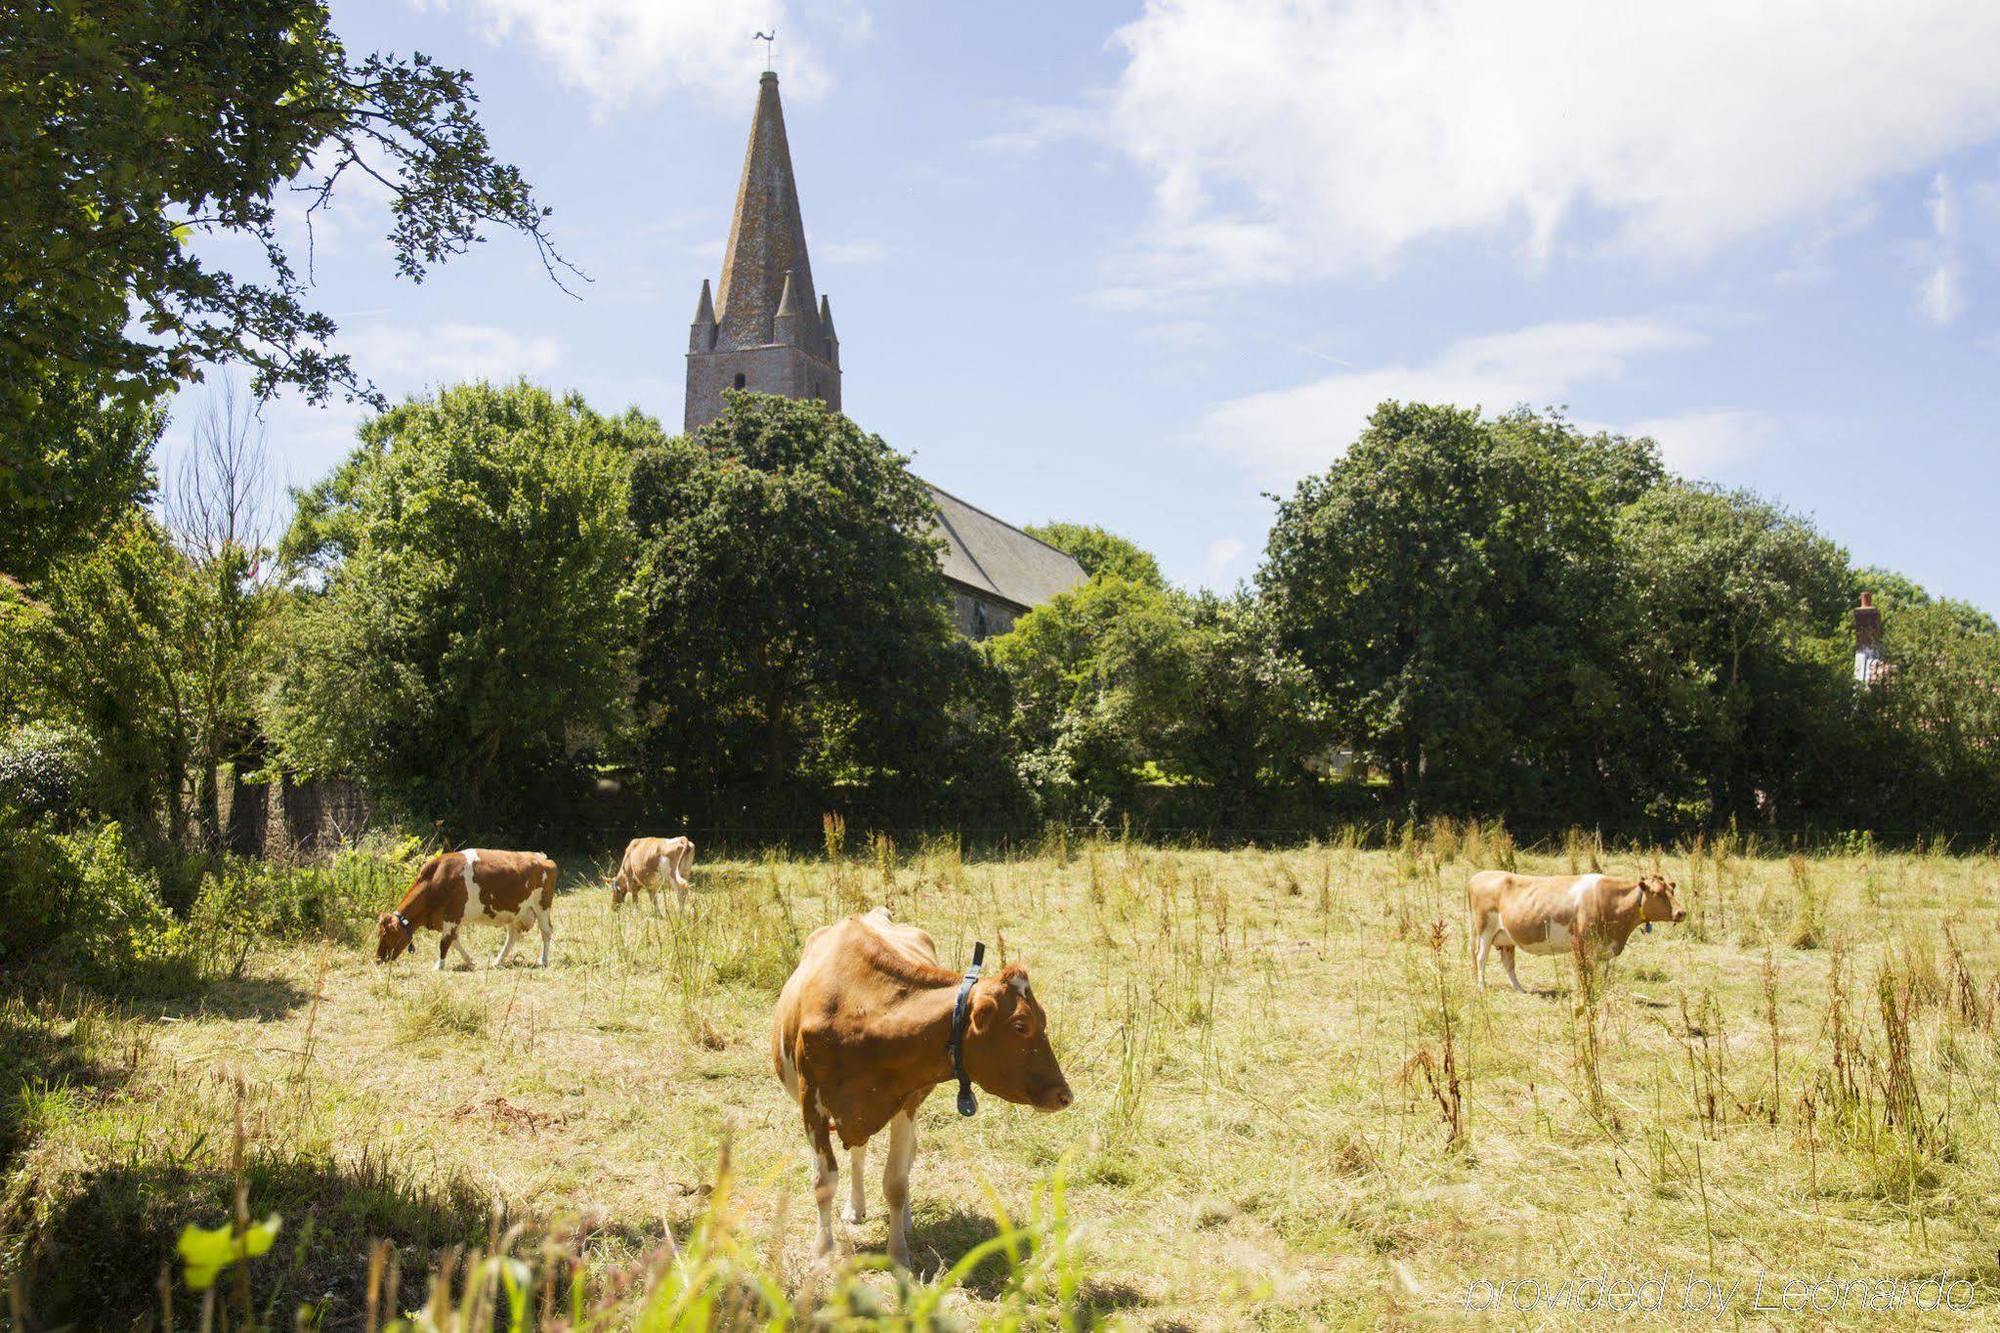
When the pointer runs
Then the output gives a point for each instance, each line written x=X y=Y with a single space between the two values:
x=548 y=894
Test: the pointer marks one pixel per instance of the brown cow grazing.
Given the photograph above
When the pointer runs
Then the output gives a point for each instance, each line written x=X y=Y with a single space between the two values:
x=869 y=1023
x=648 y=861
x=1544 y=913
x=472 y=887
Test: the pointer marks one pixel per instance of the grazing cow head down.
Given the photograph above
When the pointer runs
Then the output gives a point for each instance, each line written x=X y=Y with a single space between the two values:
x=1007 y=1048
x=618 y=891
x=393 y=934
x=1658 y=901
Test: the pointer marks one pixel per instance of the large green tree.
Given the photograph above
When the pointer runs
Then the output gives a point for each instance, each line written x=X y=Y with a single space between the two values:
x=795 y=651
x=114 y=649
x=69 y=476
x=1134 y=699
x=1745 y=605
x=1102 y=689
x=460 y=638
x=1929 y=745
x=1452 y=584
x=130 y=130
x=1100 y=551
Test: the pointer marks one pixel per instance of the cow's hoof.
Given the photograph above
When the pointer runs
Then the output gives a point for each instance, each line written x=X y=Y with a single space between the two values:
x=852 y=1214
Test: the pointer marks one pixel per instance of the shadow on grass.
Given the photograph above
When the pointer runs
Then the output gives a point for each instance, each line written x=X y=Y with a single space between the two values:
x=1096 y=1300
x=261 y=998
x=94 y=1245
x=48 y=1046
x=939 y=1240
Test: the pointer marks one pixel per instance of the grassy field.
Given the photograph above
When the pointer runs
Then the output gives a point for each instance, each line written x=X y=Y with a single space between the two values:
x=1294 y=1109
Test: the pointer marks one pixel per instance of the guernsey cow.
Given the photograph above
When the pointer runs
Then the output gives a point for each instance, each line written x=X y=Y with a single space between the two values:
x=865 y=1029
x=647 y=862
x=513 y=890
x=1544 y=914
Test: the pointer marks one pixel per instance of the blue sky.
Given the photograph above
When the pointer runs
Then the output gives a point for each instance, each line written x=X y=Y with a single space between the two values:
x=1140 y=265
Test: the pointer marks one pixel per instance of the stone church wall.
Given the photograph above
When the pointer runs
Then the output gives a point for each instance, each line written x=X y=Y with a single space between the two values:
x=978 y=617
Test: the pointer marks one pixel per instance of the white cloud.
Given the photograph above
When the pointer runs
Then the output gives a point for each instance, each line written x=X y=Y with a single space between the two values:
x=1941 y=295
x=1224 y=555
x=623 y=52
x=1291 y=138
x=1941 y=292
x=405 y=357
x=1283 y=434
x=1695 y=443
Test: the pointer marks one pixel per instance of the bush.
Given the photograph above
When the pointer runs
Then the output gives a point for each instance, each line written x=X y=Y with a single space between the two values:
x=41 y=775
x=244 y=900
x=78 y=902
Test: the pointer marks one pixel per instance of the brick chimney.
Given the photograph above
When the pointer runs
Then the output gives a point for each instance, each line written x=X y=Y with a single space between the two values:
x=1867 y=642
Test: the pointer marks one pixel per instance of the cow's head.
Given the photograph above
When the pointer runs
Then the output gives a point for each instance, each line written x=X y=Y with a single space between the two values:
x=619 y=890
x=1658 y=901
x=393 y=934
x=1007 y=1048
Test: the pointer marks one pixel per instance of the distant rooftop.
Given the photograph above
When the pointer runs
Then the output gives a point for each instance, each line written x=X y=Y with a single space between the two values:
x=998 y=559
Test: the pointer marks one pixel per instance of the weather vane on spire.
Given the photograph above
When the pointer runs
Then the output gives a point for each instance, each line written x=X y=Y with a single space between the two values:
x=770 y=41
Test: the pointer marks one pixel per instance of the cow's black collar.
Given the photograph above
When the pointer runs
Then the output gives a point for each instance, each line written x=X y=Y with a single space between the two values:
x=967 y=1103
x=409 y=931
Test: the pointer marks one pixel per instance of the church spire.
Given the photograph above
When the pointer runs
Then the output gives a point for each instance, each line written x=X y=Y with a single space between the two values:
x=767 y=236
x=765 y=329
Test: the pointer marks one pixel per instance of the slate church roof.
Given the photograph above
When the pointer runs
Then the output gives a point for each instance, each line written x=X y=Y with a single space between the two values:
x=995 y=559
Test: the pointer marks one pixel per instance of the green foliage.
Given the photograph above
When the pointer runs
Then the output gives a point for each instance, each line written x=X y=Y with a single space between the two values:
x=1453 y=587
x=132 y=131
x=795 y=649
x=1256 y=723
x=113 y=653
x=1101 y=552
x=78 y=903
x=42 y=774
x=1933 y=723
x=466 y=646
x=1744 y=607
x=1120 y=686
x=206 y=1251
x=1101 y=686
x=243 y=901
x=1893 y=592
x=63 y=481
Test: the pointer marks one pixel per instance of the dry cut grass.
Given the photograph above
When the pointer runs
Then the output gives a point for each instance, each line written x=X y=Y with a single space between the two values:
x=1294 y=1109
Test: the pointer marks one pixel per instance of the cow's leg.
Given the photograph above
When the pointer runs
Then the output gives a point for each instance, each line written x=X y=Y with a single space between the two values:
x=1507 y=957
x=826 y=1171
x=445 y=941
x=1482 y=941
x=506 y=946
x=896 y=1185
x=459 y=945
x=857 y=1195
x=547 y=923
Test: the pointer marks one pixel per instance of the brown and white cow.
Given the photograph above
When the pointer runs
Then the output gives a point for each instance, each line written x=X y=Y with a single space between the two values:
x=476 y=886
x=862 y=1034
x=648 y=861
x=1545 y=913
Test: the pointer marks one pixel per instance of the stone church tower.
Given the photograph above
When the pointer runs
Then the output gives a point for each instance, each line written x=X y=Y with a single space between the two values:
x=765 y=328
